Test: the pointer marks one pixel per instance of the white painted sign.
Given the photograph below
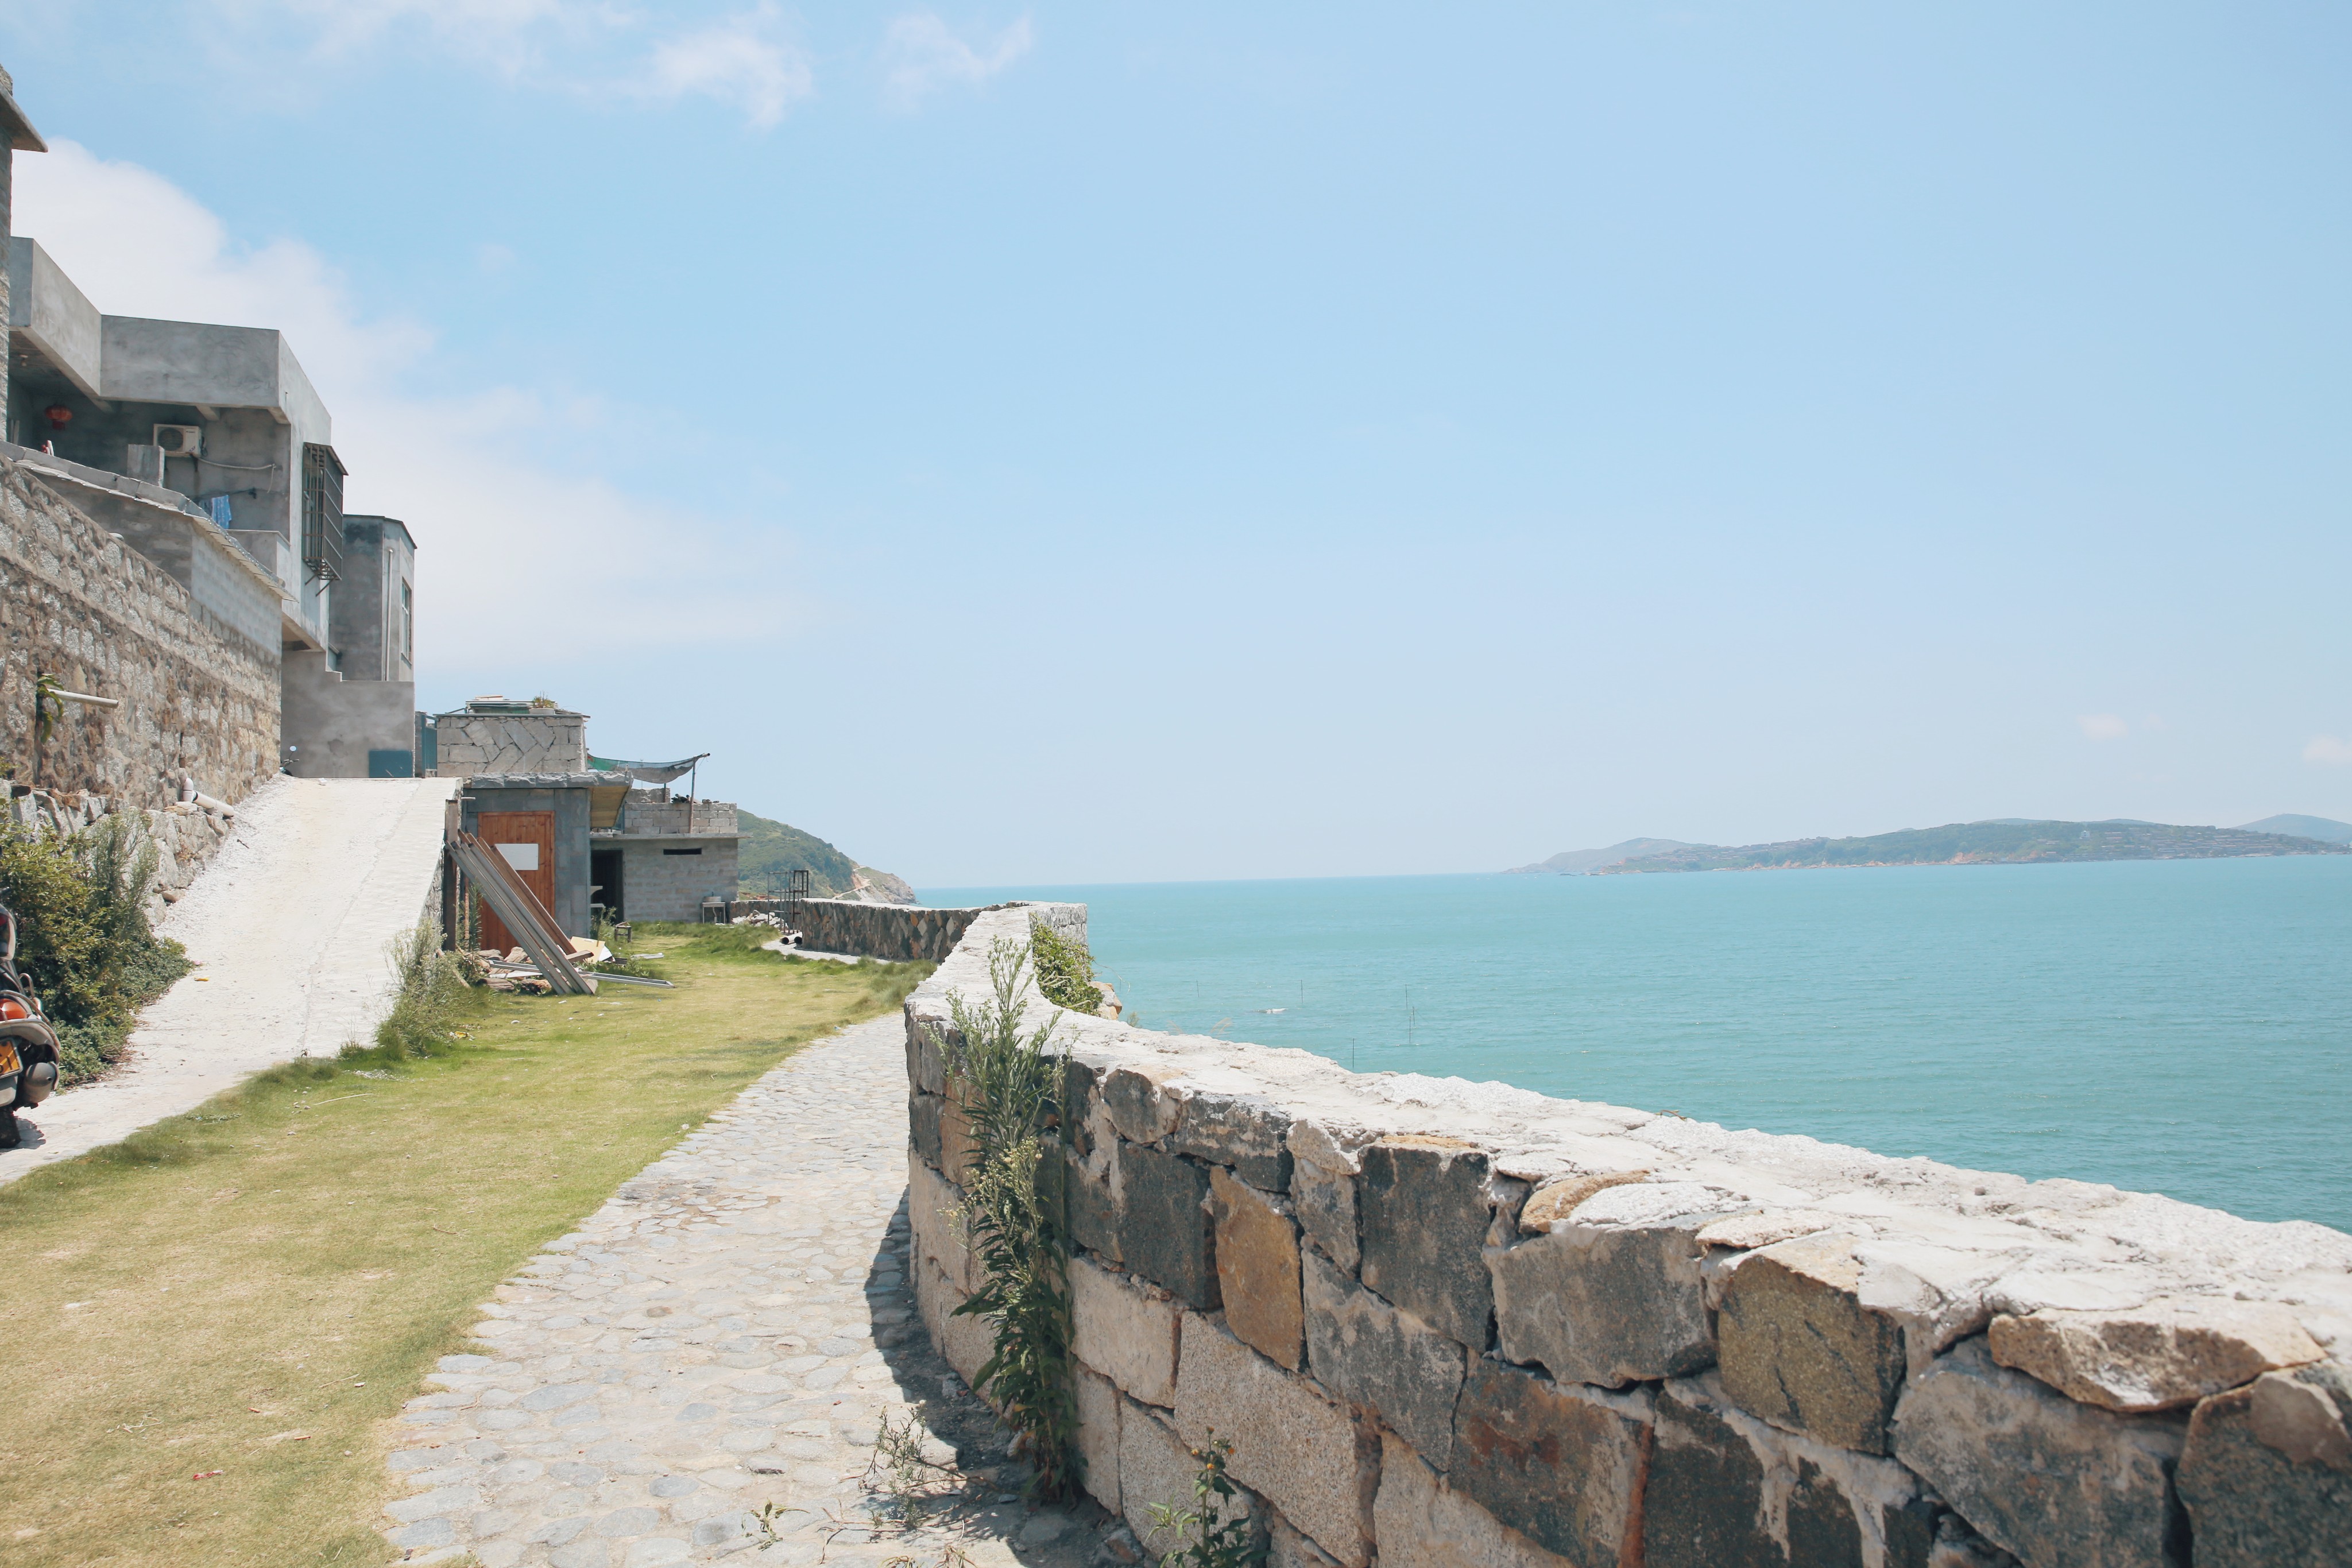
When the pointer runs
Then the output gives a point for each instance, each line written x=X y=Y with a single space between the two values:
x=523 y=857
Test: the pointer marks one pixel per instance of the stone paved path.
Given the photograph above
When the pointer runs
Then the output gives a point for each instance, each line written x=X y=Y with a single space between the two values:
x=727 y=1333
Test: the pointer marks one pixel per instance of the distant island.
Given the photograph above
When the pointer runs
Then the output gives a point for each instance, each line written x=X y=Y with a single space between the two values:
x=2005 y=841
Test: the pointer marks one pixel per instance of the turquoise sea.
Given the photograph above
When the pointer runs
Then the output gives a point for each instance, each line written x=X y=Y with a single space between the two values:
x=2183 y=1027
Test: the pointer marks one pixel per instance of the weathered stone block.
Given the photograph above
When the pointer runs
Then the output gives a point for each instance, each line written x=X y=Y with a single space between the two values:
x=1140 y=1108
x=926 y=1071
x=1421 y=1522
x=956 y=1148
x=2052 y=1481
x=1426 y=1204
x=1324 y=1202
x=965 y=1343
x=2267 y=1472
x=1304 y=1453
x=1164 y=1230
x=1605 y=1303
x=1257 y=1268
x=1552 y=1203
x=1727 y=1491
x=923 y=1126
x=1799 y=1349
x=1157 y=1467
x=1098 y=1402
x=1562 y=1465
x=1090 y=1206
x=937 y=1228
x=1364 y=1350
x=2161 y=1356
x=1244 y=1131
x=1288 y=1549
x=1081 y=1093
x=1126 y=1331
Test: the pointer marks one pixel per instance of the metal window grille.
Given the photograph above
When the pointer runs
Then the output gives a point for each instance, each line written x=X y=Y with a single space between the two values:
x=322 y=511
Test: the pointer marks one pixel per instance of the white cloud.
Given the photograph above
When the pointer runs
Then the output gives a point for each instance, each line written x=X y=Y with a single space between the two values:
x=923 y=54
x=2328 y=748
x=736 y=62
x=518 y=559
x=2103 y=727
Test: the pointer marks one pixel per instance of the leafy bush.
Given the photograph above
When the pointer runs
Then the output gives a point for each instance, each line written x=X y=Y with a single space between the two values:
x=1066 y=971
x=1011 y=1083
x=83 y=942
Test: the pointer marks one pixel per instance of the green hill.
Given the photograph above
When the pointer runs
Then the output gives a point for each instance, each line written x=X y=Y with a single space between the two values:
x=2327 y=828
x=769 y=849
x=2005 y=843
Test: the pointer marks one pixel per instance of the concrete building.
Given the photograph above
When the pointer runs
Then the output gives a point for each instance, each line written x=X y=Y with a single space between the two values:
x=539 y=822
x=660 y=858
x=205 y=449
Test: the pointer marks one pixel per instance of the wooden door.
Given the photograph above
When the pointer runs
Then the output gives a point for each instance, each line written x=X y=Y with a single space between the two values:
x=527 y=840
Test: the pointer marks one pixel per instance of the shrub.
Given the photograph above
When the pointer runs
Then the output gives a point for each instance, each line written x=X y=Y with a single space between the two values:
x=1066 y=971
x=1013 y=1210
x=83 y=941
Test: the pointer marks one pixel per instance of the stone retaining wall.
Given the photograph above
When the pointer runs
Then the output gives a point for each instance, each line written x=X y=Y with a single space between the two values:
x=104 y=620
x=901 y=932
x=1457 y=1323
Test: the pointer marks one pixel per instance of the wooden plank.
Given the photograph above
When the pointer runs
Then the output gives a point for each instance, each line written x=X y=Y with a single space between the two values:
x=518 y=909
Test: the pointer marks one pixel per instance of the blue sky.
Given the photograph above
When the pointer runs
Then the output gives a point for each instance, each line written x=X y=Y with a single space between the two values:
x=1118 y=442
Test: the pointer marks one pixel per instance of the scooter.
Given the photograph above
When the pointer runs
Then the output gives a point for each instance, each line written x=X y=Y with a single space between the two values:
x=28 y=1048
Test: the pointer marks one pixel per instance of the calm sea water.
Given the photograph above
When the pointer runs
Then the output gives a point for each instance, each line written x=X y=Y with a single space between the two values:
x=2183 y=1027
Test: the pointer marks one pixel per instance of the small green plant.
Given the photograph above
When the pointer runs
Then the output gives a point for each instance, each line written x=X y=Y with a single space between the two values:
x=1066 y=971
x=909 y=1480
x=1234 y=1544
x=1009 y=1080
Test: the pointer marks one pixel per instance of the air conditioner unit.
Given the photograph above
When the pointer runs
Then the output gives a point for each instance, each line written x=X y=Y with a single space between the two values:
x=180 y=440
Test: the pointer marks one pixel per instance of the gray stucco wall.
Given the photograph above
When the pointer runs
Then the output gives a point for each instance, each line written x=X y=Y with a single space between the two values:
x=330 y=725
x=378 y=563
x=658 y=883
x=45 y=305
x=571 y=808
x=233 y=592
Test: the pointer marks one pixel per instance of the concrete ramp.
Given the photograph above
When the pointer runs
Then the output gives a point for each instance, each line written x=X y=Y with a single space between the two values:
x=288 y=925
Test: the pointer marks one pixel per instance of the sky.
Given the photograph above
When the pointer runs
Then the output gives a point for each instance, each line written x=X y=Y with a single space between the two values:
x=1105 y=443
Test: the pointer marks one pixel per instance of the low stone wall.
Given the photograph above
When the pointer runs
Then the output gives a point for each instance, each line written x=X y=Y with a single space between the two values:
x=899 y=932
x=1445 y=1322
x=105 y=620
x=185 y=836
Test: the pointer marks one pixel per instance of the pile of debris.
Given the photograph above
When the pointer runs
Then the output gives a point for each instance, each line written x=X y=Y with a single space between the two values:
x=791 y=938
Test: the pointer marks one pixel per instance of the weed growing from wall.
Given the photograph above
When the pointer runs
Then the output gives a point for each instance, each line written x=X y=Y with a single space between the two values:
x=1066 y=971
x=1010 y=1082
x=83 y=940
x=1195 y=1542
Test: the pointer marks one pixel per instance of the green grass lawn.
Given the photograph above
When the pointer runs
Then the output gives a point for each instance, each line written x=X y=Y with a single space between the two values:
x=255 y=1288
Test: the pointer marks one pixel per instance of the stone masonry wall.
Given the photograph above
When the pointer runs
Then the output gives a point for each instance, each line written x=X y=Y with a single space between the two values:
x=543 y=742
x=1457 y=1323
x=78 y=602
x=901 y=932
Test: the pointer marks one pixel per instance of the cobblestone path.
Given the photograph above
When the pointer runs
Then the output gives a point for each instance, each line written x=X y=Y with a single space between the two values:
x=727 y=1333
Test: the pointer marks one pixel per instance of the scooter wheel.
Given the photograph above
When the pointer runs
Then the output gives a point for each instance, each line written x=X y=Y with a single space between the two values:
x=9 y=1135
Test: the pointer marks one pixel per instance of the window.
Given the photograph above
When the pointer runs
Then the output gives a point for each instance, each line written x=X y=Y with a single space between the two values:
x=696 y=851
x=322 y=511
x=407 y=624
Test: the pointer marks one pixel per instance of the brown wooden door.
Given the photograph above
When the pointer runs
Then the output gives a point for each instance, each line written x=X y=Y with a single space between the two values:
x=527 y=840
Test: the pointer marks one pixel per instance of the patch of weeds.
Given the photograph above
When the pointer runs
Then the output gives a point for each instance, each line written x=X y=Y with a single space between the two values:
x=430 y=998
x=1235 y=1543
x=911 y=1483
x=1066 y=971
x=1012 y=1213
x=83 y=941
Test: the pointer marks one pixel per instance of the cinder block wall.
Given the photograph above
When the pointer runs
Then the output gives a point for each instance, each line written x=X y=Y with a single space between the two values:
x=107 y=620
x=1453 y=1323
x=658 y=885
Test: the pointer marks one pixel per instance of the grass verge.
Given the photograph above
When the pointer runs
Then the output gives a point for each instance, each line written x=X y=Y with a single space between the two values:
x=248 y=1294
